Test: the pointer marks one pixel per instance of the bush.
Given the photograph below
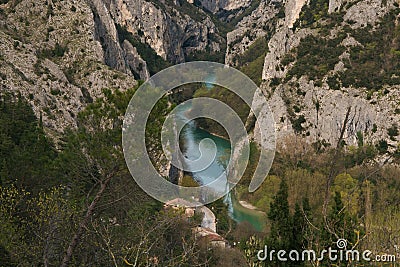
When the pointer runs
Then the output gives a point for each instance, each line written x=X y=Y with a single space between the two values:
x=316 y=56
x=393 y=132
x=312 y=12
x=57 y=51
x=333 y=82
x=375 y=64
x=297 y=124
x=382 y=146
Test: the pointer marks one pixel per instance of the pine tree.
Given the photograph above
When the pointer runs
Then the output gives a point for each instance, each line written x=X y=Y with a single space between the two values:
x=279 y=216
x=298 y=229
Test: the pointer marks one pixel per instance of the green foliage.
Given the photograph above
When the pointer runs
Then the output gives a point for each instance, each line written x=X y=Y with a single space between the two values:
x=155 y=123
x=280 y=218
x=297 y=124
x=252 y=164
x=252 y=60
x=334 y=82
x=33 y=224
x=191 y=10
x=316 y=56
x=340 y=223
x=374 y=128
x=189 y=181
x=226 y=96
x=357 y=156
x=225 y=222
x=208 y=55
x=311 y=13
x=22 y=136
x=287 y=59
x=376 y=63
x=287 y=230
x=382 y=146
x=254 y=69
x=57 y=51
x=347 y=186
x=257 y=49
x=360 y=139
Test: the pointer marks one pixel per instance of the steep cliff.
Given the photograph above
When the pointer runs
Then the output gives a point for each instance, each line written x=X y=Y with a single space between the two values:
x=49 y=53
x=219 y=5
x=322 y=58
x=174 y=30
x=313 y=59
x=330 y=73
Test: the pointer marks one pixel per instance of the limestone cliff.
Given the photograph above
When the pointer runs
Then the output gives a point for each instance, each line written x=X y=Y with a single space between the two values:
x=313 y=103
x=51 y=55
x=228 y=5
x=311 y=85
x=168 y=28
x=313 y=59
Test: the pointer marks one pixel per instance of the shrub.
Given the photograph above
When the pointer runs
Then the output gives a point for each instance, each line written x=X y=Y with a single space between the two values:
x=382 y=146
x=316 y=56
x=374 y=64
x=57 y=51
x=393 y=132
x=297 y=124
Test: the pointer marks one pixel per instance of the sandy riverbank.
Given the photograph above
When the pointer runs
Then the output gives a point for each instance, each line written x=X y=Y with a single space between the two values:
x=247 y=205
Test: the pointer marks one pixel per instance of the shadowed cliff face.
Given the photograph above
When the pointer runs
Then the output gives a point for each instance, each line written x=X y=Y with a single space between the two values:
x=172 y=30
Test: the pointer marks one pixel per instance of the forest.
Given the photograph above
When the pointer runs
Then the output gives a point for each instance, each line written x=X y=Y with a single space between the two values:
x=72 y=202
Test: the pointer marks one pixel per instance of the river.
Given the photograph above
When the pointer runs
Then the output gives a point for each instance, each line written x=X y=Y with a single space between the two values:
x=192 y=136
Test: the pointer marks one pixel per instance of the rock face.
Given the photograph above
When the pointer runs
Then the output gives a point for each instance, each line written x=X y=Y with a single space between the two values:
x=61 y=54
x=280 y=44
x=171 y=33
x=261 y=22
x=49 y=54
x=228 y=5
x=106 y=34
x=292 y=11
x=325 y=122
x=322 y=108
x=135 y=62
x=319 y=110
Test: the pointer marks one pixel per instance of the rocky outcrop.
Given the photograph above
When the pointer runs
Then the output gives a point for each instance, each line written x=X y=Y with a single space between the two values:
x=172 y=34
x=320 y=111
x=292 y=11
x=281 y=43
x=259 y=23
x=362 y=13
x=135 y=62
x=324 y=111
x=106 y=34
x=61 y=54
x=218 y=5
x=49 y=54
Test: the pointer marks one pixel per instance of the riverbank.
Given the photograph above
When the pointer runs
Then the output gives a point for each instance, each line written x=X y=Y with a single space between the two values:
x=248 y=213
x=247 y=205
x=192 y=136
